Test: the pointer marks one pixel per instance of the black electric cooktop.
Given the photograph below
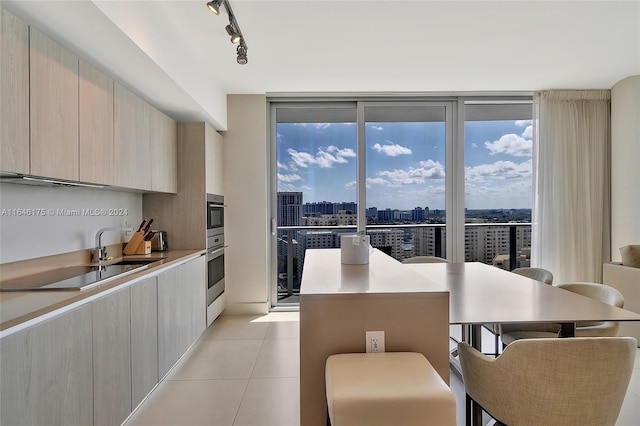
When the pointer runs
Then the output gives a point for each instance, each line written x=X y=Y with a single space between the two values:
x=69 y=278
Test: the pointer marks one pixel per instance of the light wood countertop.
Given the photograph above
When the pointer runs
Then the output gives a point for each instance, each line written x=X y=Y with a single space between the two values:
x=324 y=274
x=483 y=294
x=21 y=309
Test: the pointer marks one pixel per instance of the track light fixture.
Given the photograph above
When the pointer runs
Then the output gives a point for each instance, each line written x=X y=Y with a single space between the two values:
x=214 y=6
x=233 y=29
x=235 y=36
x=241 y=50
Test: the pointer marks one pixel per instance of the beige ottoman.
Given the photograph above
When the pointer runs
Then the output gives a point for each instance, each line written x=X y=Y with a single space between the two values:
x=391 y=388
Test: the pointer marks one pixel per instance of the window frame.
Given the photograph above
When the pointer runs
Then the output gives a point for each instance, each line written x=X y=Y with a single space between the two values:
x=454 y=105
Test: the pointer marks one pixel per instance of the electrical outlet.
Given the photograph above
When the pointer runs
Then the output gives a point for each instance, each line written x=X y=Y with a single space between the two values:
x=374 y=341
x=128 y=225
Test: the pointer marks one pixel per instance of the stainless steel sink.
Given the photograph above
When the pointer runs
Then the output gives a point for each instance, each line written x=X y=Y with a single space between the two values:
x=135 y=262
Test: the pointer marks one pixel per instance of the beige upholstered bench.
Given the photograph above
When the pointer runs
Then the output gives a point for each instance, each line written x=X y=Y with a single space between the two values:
x=390 y=388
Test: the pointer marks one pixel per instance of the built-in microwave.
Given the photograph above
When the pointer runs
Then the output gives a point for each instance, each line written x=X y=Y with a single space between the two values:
x=215 y=216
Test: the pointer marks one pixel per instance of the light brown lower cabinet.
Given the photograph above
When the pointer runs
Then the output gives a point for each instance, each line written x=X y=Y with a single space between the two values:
x=47 y=372
x=181 y=311
x=111 y=358
x=144 y=339
x=93 y=365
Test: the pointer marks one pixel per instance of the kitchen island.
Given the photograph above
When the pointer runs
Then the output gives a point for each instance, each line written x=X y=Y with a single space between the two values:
x=339 y=303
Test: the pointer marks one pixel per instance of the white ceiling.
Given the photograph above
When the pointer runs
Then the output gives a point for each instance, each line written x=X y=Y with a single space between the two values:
x=177 y=55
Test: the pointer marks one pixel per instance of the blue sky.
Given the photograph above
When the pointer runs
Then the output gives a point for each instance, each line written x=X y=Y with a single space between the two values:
x=406 y=163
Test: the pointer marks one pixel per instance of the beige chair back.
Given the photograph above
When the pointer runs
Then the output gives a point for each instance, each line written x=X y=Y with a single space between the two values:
x=537 y=274
x=603 y=293
x=564 y=382
x=425 y=259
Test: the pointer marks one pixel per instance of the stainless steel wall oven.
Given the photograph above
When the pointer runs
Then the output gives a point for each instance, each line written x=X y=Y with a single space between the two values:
x=215 y=247
x=215 y=273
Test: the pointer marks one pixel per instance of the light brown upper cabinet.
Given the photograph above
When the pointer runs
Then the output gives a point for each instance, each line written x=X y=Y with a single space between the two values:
x=14 y=87
x=132 y=147
x=96 y=125
x=164 y=150
x=214 y=162
x=54 y=109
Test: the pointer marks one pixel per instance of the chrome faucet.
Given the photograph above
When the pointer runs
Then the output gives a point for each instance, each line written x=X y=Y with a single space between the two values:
x=99 y=253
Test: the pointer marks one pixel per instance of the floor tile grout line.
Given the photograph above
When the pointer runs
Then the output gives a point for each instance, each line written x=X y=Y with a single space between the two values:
x=244 y=393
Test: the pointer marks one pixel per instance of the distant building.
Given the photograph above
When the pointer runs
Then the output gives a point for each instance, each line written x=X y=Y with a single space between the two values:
x=417 y=214
x=289 y=208
x=342 y=218
x=484 y=243
x=426 y=240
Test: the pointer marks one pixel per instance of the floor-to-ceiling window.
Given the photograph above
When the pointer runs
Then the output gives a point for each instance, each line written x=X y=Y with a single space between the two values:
x=315 y=154
x=405 y=177
x=436 y=176
x=498 y=190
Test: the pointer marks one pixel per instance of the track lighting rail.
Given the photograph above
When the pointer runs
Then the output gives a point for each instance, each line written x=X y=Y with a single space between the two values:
x=233 y=29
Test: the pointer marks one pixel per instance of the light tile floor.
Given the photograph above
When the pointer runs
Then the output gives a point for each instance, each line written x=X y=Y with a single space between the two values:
x=244 y=371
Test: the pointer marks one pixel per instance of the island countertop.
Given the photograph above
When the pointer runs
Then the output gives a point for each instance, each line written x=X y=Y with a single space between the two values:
x=324 y=274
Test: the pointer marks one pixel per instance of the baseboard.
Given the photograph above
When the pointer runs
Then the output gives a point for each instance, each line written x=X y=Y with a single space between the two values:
x=246 y=309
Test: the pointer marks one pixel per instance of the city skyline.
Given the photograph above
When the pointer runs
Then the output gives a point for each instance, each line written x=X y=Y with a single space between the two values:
x=406 y=163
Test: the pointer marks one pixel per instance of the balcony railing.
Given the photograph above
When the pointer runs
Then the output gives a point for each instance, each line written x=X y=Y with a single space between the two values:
x=294 y=240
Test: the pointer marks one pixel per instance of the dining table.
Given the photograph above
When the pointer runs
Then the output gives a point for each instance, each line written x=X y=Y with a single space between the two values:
x=483 y=294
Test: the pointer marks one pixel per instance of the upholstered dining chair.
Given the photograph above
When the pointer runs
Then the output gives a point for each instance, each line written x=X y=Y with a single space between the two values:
x=425 y=259
x=538 y=274
x=601 y=292
x=563 y=382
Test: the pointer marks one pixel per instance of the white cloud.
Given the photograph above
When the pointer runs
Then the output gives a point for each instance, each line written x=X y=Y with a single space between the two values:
x=528 y=132
x=287 y=187
x=501 y=170
x=378 y=128
x=474 y=145
x=321 y=126
x=427 y=170
x=288 y=178
x=323 y=159
x=510 y=144
x=346 y=152
x=350 y=185
x=282 y=166
x=392 y=150
x=522 y=123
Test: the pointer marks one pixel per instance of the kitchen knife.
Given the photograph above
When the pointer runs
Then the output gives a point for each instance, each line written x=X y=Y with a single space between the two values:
x=146 y=229
x=149 y=236
x=144 y=221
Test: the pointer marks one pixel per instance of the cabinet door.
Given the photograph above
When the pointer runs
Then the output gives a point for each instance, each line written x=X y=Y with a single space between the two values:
x=144 y=339
x=198 y=300
x=54 y=109
x=96 y=125
x=169 y=317
x=14 y=86
x=181 y=311
x=47 y=374
x=132 y=158
x=214 y=161
x=111 y=358
x=164 y=151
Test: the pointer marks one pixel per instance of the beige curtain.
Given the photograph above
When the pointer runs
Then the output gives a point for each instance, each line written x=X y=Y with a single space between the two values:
x=571 y=234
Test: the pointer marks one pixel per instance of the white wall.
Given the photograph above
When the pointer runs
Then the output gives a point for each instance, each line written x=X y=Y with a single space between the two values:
x=246 y=215
x=27 y=237
x=625 y=164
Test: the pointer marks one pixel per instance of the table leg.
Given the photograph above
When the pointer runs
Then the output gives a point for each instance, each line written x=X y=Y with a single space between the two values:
x=567 y=329
x=476 y=411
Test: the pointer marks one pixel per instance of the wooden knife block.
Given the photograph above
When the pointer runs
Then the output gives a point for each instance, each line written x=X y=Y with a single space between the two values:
x=137 y=245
